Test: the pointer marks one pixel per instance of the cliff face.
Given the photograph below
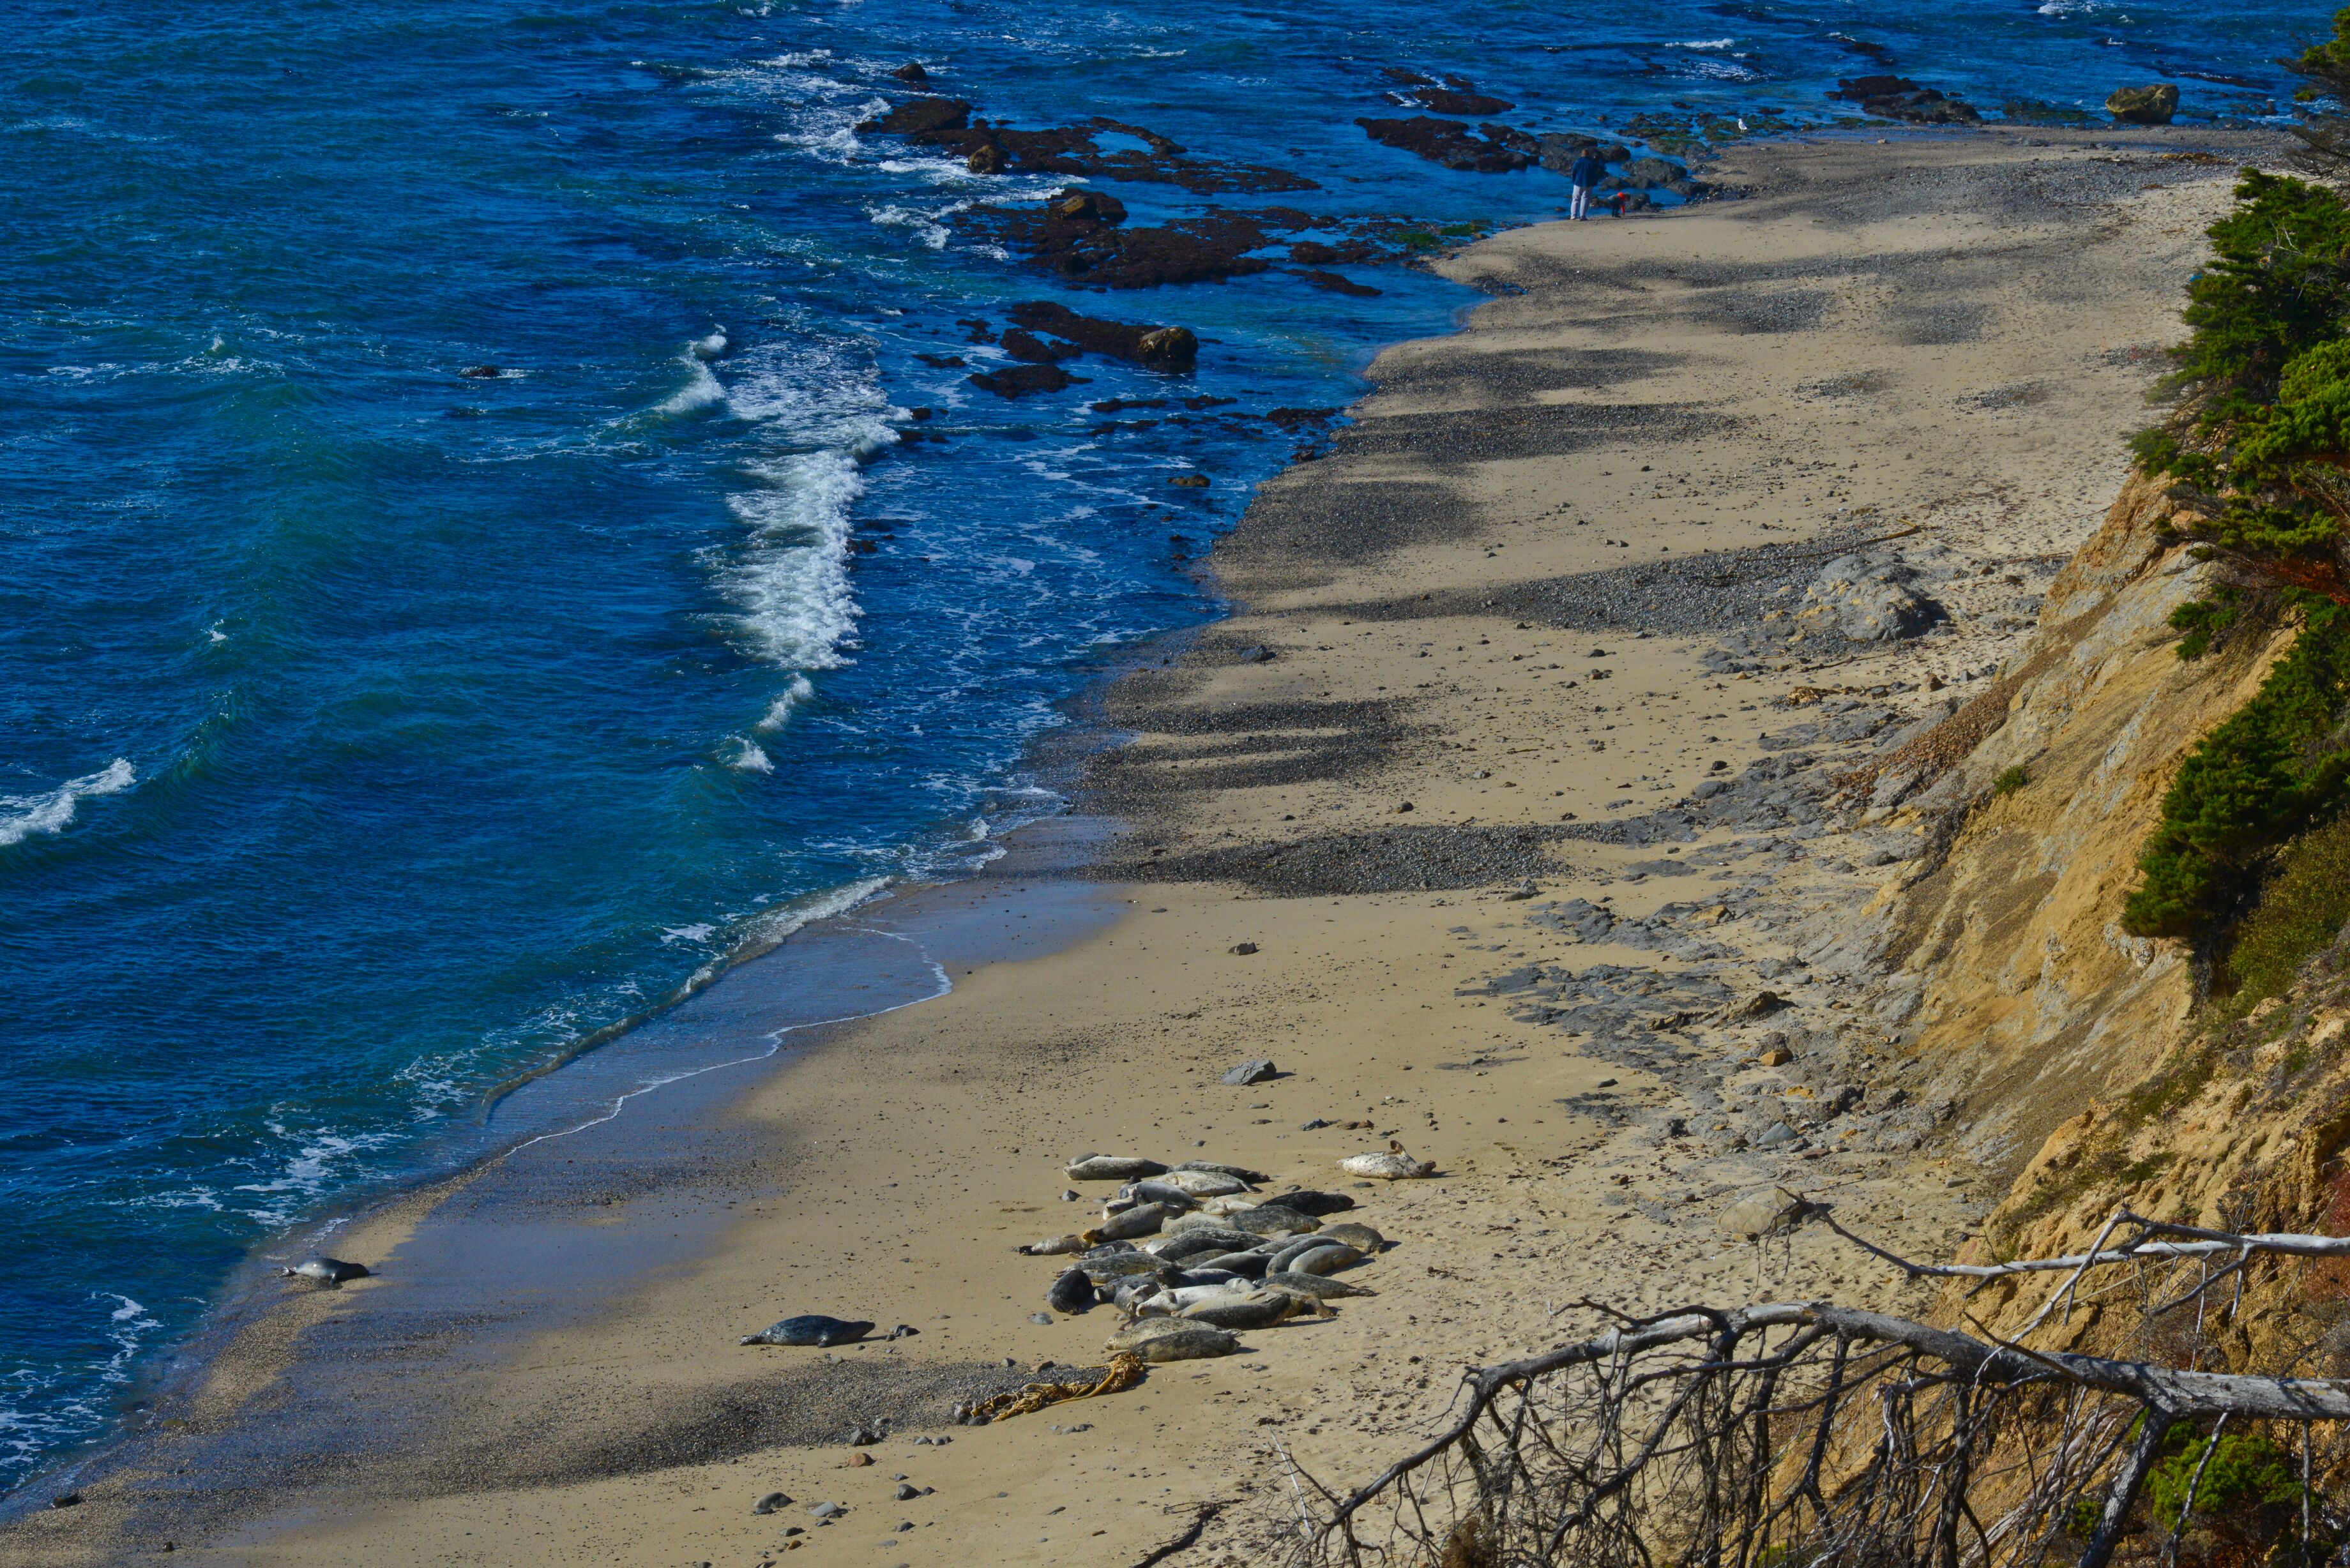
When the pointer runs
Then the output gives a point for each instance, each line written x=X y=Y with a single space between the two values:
x=2029 y=1002
x=2077 y=1054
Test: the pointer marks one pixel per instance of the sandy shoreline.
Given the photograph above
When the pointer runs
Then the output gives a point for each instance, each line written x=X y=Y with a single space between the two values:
x=1932 y=343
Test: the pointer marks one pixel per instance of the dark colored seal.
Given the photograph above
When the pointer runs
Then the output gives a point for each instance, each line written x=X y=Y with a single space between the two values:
x=810 y=1328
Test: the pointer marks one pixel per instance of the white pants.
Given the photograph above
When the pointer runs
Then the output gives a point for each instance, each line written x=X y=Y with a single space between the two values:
x=1579 y=205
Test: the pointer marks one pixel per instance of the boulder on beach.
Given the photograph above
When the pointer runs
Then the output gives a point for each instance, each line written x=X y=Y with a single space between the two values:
x=1255 y=1070
x=1866 y=600
x=2143 y=105
x=1772 y=1211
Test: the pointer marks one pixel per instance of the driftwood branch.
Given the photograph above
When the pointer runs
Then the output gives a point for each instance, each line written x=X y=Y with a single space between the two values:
x=2204 y=1244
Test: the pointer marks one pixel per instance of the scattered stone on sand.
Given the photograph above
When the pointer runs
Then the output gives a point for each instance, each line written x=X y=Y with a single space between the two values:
x=906 y=1492
x=828 y=1509
x=1251 y=1072
x=1772 y=1211
x=1393 y=1166
x=2143 y=105
x=1776 y=1057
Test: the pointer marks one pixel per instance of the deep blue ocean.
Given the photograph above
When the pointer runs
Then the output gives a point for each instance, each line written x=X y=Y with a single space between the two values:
x=370 y=733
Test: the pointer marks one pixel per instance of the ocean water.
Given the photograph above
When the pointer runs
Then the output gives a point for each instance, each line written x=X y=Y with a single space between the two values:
x=370 y=735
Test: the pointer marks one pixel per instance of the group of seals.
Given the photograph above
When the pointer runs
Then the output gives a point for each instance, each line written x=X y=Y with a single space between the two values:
x=1194 y=1255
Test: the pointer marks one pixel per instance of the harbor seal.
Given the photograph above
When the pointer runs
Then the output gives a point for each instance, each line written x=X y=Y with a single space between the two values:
x=1272 y=1219
x=1393 y=1166
x=1305 y=1200
x=1326 y=1260
x=1197 y=1243
x=1111 y=1167
x=810 y=1328
x=328 y=1272
x=1072 y=1293
x=1314 y=1285
x=1250 y=1263
x=1258 y=1309
x=1170 y=1198
x=1142 y=1219
x=1199 y=1184
x=1291 y=1257
x=1053 y=1246
x=1159 y=1339
x=1361 y=1238
x=1238 y=1172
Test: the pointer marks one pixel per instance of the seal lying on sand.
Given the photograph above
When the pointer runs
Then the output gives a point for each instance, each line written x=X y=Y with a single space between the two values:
x=1315 y=1285
x=810 y=1328
x=1072 y=1293
x=1173 y=1339
x=1111 y=1167
x=1361 y=1238
x=1272 y=1219
x=1258 y=1309
x=1393 y=1166
x=328 y=1272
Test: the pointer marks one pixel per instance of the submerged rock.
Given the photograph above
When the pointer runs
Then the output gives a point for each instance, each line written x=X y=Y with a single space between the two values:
x=917 y=116
x=1898 y=97
x=1499 y=151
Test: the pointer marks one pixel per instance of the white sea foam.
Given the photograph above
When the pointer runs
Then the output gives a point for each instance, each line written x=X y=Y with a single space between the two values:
x=779 y=712
x=711 y=347
x=749 y=757
x=21 y=816
x=1704 y=44
x=824 y=415
x=696 y=933
x=702 y=390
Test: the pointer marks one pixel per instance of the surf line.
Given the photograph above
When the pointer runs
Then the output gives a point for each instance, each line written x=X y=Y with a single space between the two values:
x=840 y=900
x=774 y=1044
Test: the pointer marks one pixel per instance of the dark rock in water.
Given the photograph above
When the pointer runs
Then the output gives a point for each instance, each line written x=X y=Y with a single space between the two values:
x=810 y=1328
x=1645 y=172
x=911 y=71
x=1199 y=482
x=1337 y=283
x=1499 y=151
x=1406 y=77
x=942 y=361
x=1023 y=380
x=1160 y=347
x=1032 y=349
x=1075 y=150
x=1079 y=236
x=1444 y=100
x=1898 y=97
x=988 y=158
x=917 y=116
x=2144 y=106
x=1256 y=1072
x=481 y=372
x=1087 y=206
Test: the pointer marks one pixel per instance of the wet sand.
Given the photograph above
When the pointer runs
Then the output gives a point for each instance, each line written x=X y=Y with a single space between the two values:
x=1546 y=592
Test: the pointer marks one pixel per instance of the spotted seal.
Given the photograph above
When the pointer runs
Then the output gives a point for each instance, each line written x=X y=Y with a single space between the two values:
x=1111 y=1167
x=1072 y=1293
x=1361 y=1238
x=1293 y=1257
x=1257 y=1309
x=1239 y=1172
x=1173 y=1339
x=1315 y=1285
x=1271 y=1219
x=1393 y=1166
x=328 y=1272
x=810 y=1328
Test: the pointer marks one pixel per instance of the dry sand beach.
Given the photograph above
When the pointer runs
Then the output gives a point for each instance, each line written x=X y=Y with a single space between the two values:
x=1501 y=818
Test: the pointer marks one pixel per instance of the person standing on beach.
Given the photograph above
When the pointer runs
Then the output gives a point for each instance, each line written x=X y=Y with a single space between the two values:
x=1587 y=172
